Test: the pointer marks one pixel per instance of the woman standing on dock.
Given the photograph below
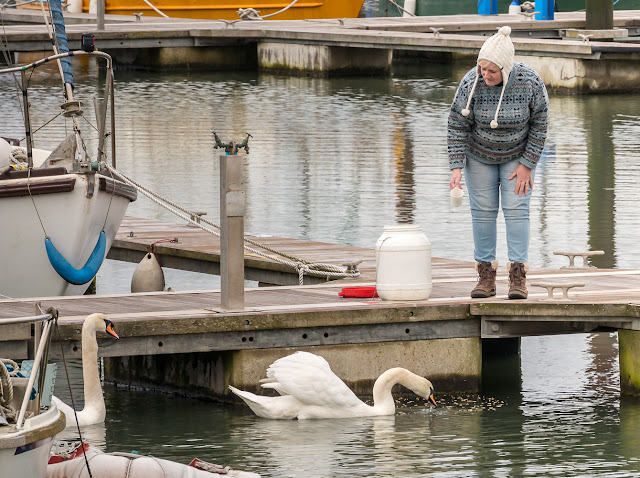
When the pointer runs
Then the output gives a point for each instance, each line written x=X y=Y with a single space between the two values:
x=496 y=132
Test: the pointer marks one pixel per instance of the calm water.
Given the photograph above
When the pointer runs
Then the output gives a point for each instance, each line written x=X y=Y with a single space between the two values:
x=336 y=160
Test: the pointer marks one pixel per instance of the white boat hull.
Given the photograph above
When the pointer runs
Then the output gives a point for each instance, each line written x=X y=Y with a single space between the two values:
x=72 y=220
x=25 y=453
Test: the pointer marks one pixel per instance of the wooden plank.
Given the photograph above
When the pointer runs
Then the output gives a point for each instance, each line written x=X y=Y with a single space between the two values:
x=461 y=33
x=179 y=322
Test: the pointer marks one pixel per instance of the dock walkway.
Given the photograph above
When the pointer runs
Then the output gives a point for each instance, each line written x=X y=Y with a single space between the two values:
x=453 y=33
x=360 y=46
x=291 y=316
x=199 y=251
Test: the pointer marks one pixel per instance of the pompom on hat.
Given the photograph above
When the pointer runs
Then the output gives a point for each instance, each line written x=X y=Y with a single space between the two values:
x=499 y=50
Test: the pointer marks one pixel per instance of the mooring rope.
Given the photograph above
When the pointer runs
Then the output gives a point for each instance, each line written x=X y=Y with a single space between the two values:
x=6 y=389
x=317 y=269
x=253 y=14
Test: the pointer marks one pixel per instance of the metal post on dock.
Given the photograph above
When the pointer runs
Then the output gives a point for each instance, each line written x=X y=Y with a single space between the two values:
x=599 y=14
x=487 y=7
x=100 y=16
x=546 y=9
x=232 y=209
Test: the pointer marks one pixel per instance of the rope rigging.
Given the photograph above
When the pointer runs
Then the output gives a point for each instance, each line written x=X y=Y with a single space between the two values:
x=303 y=267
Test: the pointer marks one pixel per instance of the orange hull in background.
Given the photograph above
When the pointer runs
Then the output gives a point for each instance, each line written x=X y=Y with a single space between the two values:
x=227 y=9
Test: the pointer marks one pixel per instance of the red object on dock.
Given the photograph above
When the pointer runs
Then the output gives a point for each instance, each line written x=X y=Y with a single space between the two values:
x=362 y=292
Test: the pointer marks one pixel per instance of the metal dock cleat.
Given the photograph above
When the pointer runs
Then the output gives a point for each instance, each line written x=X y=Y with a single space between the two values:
x=550 y=286
x=572 y=255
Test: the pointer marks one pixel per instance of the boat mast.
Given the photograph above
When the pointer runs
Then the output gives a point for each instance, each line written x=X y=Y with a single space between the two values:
x=59 y=43
x=27 y=118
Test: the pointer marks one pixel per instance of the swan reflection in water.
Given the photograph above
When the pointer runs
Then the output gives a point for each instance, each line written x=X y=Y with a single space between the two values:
x=95 y=435
x=323 y=448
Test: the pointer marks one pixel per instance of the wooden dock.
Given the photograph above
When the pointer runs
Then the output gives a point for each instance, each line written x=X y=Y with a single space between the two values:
x=442 y=337
x=199 y=251
x=448 y=33
x=356 y=46
x=284 y=316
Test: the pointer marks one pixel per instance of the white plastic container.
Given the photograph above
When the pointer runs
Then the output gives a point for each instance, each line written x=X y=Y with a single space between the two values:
x=515 y=8
x=456 y=196
x=403 y=263
x=74 y=6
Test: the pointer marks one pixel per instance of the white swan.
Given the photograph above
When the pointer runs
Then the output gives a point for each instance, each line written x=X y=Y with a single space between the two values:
x=94 y=410
x=309 y=389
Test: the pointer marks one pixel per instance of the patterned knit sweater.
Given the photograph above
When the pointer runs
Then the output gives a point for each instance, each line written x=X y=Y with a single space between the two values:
x=522 y=120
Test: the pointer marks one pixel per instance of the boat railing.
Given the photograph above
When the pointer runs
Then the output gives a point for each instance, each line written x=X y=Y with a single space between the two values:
x=42 y=61
x=72 y=107
x=42 y=340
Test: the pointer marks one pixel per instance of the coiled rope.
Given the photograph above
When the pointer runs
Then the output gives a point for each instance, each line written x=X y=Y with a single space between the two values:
x=6 y=389
x=316 y=269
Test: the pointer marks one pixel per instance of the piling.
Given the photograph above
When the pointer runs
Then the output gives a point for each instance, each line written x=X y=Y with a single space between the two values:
x=232 y=209
x=629 y=350
x=599 y=14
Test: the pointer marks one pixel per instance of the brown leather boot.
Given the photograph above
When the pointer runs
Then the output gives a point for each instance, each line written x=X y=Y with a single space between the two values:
x=518 y=279
x=486 y=286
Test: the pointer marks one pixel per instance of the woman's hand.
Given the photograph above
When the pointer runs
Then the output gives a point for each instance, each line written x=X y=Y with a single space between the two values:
x=523 y=179
x=456 y=176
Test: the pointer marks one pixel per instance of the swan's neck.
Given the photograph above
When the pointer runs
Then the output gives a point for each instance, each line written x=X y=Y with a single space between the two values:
x=92 y=387
x=382 y=397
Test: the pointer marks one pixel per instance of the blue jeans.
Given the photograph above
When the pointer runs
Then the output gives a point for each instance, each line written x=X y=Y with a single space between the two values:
x=486 y=184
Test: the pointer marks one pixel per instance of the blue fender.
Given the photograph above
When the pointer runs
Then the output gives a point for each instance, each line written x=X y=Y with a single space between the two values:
x=71 y=274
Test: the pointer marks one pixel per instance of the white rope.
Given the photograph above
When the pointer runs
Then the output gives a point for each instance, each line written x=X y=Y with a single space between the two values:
x=6 y=386
x=317 y=269
x=157 y=11
x=252 y=14
x=6 y=390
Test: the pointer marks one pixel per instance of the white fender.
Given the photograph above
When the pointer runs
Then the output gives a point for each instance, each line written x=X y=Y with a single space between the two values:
x=5 y=154
x=148 y=276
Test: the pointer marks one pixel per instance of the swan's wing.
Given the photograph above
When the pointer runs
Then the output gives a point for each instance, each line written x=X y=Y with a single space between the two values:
x=272 y=383
x=269 y=407
x=309 y=378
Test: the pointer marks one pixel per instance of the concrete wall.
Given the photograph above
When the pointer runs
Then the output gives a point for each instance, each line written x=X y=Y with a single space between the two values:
x=317 y=60
x=571 y=74
x=187 y=58
x=586 y=76
x=450 y=364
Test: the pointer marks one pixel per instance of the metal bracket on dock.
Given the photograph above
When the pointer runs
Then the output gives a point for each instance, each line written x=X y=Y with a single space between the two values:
x=551 y=286
x=572 y=255
x=195 y=217
x=352 y=266
x=436 y=31
x=528 y=16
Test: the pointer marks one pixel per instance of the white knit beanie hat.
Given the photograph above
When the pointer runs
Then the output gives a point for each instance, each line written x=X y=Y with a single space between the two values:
x=499 y=50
